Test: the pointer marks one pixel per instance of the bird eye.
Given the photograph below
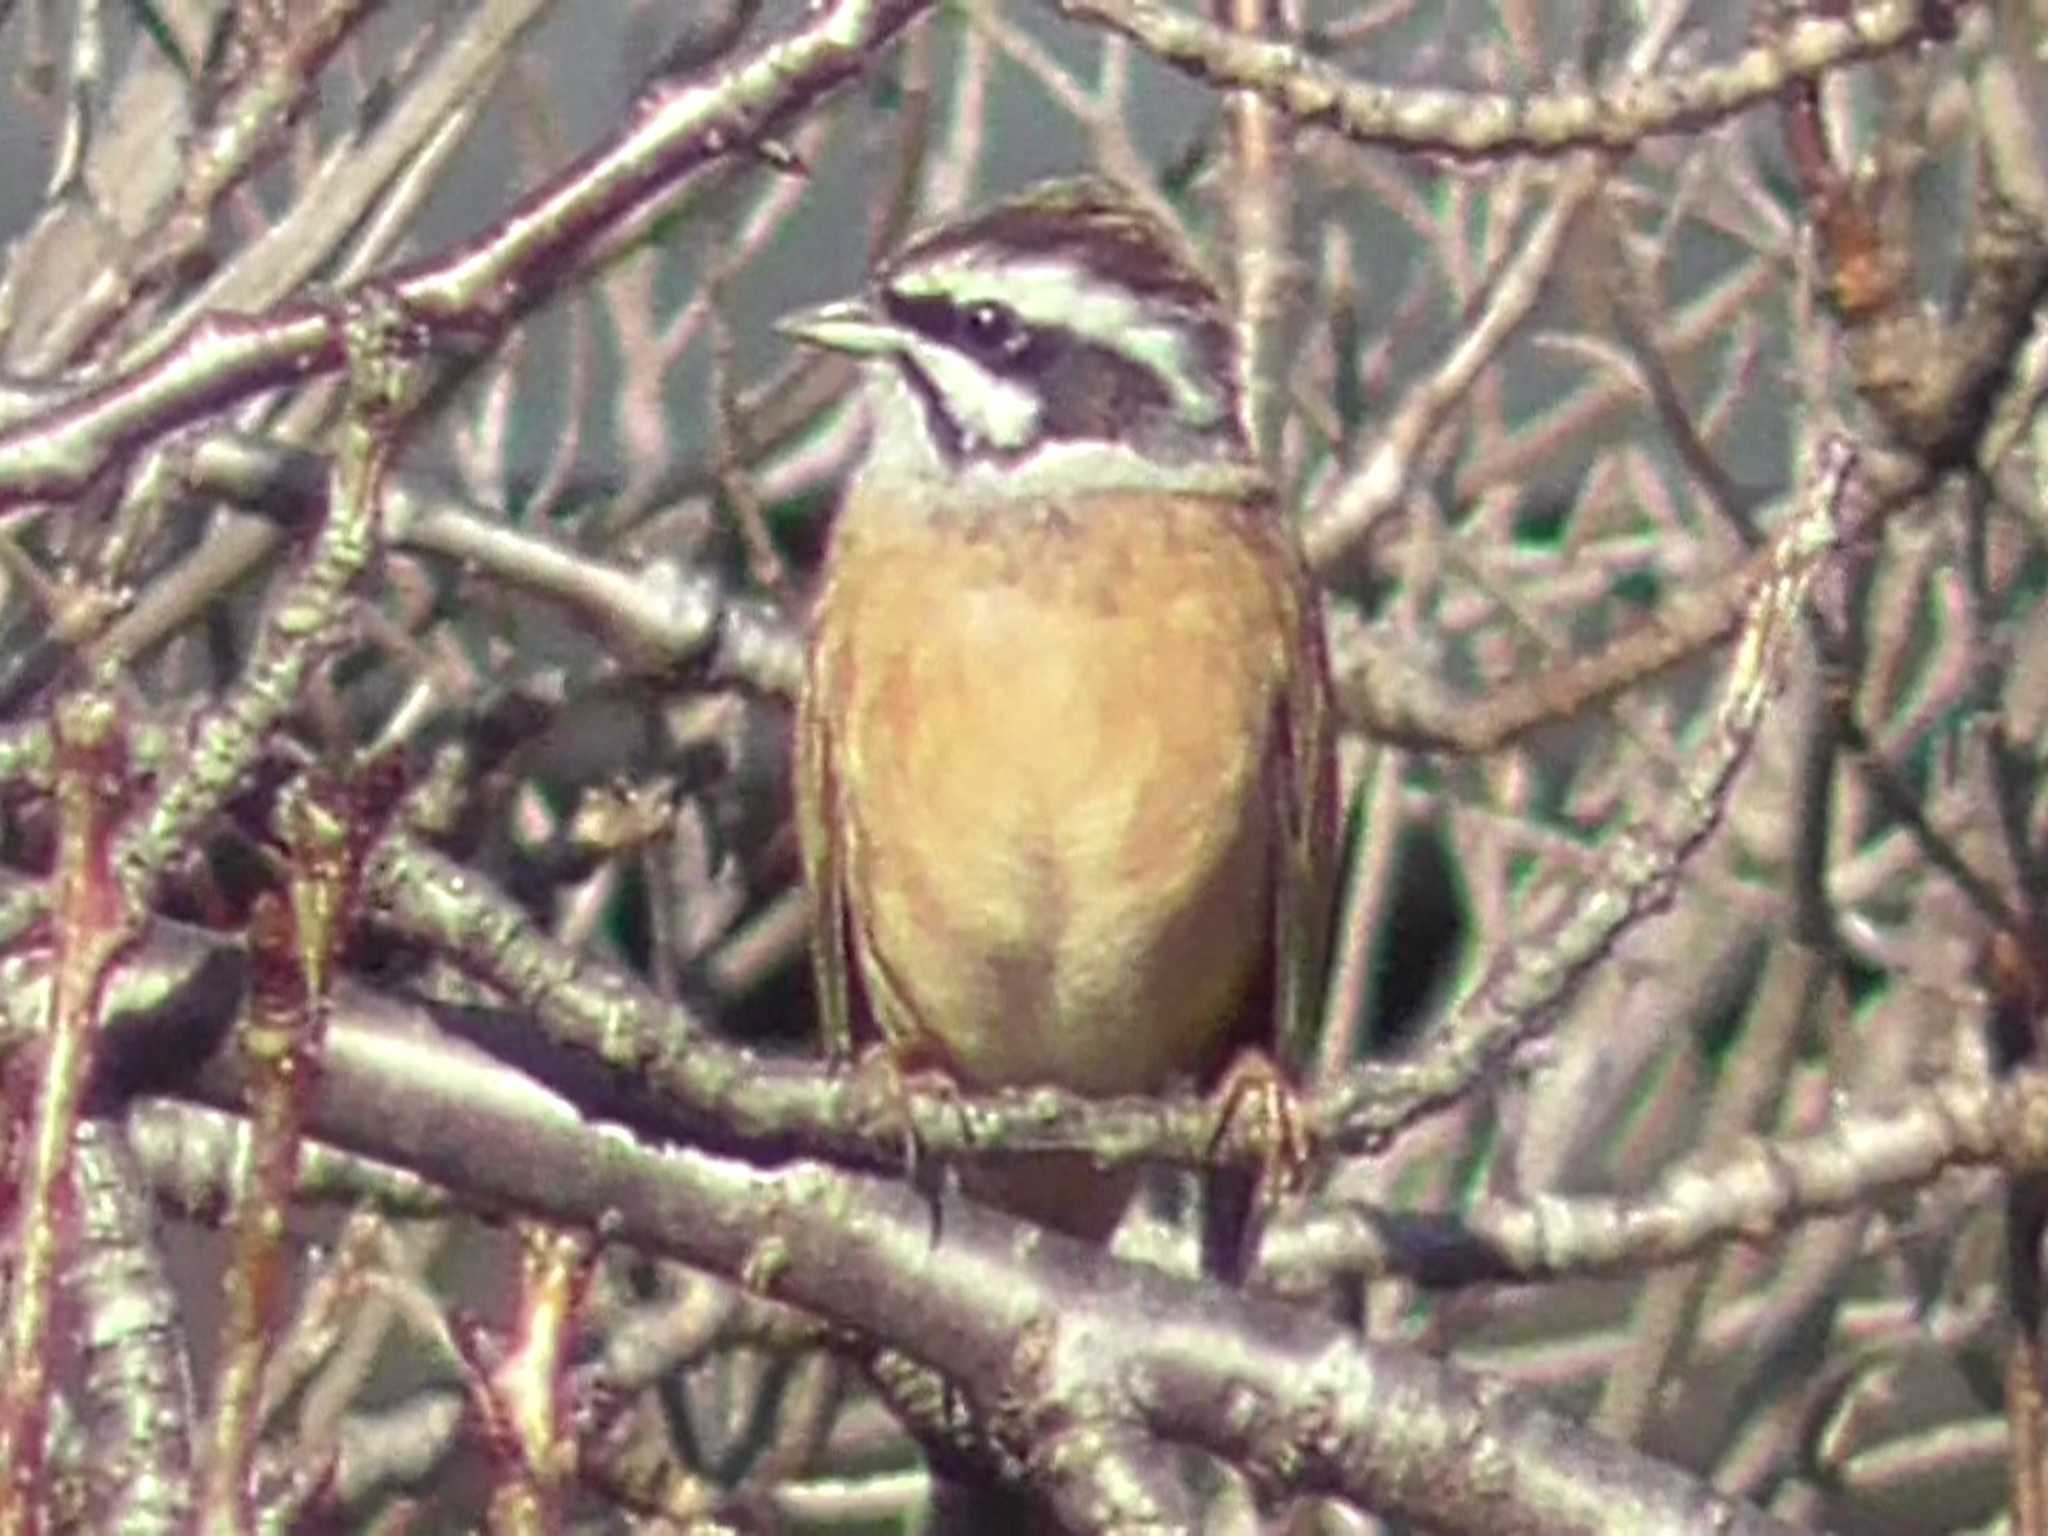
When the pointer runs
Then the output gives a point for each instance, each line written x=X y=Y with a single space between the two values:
x=992 y=328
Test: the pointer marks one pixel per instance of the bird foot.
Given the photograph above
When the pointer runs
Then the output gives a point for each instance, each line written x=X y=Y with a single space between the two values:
x=1258 y=1107
x=885 y=1083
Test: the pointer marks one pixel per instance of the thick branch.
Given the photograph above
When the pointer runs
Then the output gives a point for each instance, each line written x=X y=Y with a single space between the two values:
x=1039 y=1324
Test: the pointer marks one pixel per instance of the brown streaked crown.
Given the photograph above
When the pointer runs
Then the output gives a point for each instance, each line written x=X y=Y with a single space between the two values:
x=1084 y=220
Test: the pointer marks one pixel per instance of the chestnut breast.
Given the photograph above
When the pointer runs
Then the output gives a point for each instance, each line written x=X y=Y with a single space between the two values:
x=1051 y=744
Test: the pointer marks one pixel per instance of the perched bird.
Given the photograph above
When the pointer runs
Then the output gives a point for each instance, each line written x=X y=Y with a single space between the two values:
x=1064 y=763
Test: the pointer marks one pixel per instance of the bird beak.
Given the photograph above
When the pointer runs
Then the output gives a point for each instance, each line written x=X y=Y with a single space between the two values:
x=846 y=326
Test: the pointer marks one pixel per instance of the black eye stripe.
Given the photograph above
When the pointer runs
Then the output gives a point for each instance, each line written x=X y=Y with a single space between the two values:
x=1085 y=389
x=984 y=329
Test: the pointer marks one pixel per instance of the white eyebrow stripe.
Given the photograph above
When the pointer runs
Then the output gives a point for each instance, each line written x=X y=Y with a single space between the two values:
x=1044 y=293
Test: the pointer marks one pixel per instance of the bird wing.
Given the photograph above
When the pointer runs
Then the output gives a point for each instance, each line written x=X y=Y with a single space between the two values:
x=1303 y=782
x=822 y=829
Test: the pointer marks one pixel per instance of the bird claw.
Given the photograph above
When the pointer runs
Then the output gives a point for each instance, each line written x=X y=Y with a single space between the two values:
x=1257 y=1106
x=884 y=1086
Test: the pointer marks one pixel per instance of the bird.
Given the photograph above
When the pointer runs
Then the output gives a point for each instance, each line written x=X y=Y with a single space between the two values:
x=1064 y=764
